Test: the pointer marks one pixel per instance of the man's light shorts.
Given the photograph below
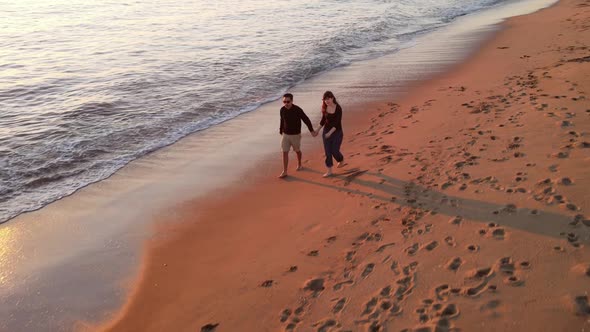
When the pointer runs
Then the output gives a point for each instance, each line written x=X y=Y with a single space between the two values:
x=289 y=141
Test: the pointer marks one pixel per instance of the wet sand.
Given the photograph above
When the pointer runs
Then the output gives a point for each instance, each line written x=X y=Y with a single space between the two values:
x=463 y=205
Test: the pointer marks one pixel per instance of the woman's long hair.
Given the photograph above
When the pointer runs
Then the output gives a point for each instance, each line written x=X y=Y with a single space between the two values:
x=327 y=94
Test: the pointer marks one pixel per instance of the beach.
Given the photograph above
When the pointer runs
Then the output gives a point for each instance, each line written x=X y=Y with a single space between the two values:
x=463 y=205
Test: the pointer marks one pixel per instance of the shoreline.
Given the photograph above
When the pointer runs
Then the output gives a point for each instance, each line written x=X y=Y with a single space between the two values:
x=240 y=112
x=107 y=223
x=388 y=212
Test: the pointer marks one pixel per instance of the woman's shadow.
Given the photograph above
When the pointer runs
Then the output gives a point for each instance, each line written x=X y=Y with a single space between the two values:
x=388 y=189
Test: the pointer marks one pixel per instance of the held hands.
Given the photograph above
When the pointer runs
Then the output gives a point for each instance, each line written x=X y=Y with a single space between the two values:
x=316 y=132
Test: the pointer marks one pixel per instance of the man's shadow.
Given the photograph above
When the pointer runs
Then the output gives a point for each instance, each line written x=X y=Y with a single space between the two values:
x=410 y=194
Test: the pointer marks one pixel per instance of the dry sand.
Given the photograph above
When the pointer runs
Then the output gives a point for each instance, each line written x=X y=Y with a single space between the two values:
x=463 y=206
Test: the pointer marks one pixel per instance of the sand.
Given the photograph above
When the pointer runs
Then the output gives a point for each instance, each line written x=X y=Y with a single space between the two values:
x=463 y=206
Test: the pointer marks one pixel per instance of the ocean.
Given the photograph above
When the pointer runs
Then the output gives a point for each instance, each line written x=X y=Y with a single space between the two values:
x=88 y=86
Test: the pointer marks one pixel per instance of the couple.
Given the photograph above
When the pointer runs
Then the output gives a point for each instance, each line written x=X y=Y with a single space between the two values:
x=290 y=129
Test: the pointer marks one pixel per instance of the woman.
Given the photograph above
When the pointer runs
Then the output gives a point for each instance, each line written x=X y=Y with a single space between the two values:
x=332 y=134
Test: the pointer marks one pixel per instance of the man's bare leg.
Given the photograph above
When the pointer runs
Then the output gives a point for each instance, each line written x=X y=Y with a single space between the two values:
x=285 y=164
x=299 y=166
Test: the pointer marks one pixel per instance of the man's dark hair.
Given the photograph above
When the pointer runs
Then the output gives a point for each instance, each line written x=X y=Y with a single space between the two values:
x=288 y=95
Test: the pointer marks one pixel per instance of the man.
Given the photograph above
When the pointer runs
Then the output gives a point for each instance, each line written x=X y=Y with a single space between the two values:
x=290 y=129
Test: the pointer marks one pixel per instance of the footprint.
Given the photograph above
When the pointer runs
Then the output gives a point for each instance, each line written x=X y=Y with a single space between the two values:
x=545 y=181
x=580 y=218
x=450 y=241
x=385 y=291
x=325 y=325
x=450 y=311
x=442 y=292
x=267 y=283
x=370 y=306
x=456 y=220
x=428 y=302
x=411 y=250
x=339 y=285
x=374 y=327
x=442 y=324
x=456 y=290
x=556 y=199
x=350 y=255
x=475 y=291
x=561 y=155
x=363 y=236
x=375 y=237
x=368 y=269
x=572 y=238
x=209 y=327
x=406 y=285
x=431 y=246
x=385 y=305
x=291 y=326
x=285 y=314
x=454 y=264
x=570 y=206
x=395 y=310
x=315 y=285
x=525 y=265
x=446 y=185
x=480 y=273
x=513 y=281
x=509 y=208
x=395 y=267
x=385 y=246
x=299 y=310
x=410 y=268
x=473 y=248
x=499 y=233
x=506 y=265
x=580 y=304
x=313 y=253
